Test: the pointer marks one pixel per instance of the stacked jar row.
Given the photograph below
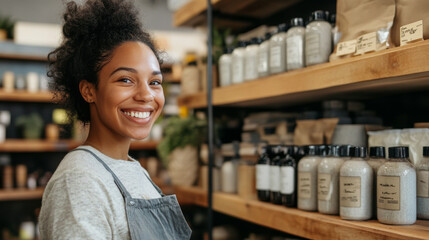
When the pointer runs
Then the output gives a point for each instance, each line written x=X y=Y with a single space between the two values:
x=342 y=180
x=291 y=47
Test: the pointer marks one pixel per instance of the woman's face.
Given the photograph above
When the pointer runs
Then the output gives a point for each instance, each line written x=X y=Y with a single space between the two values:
x=129 y=97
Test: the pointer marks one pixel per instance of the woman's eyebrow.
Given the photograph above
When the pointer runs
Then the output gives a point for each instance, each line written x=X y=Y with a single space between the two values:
x=124 y=69
x=156 y=73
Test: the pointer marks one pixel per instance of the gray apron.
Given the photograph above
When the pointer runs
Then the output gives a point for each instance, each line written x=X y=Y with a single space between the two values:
x=153 y=219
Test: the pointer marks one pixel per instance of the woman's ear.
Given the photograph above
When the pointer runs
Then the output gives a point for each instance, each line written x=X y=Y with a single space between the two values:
x=87 y=90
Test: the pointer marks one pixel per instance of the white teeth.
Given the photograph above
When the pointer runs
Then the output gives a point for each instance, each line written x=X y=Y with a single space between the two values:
x=138 y=114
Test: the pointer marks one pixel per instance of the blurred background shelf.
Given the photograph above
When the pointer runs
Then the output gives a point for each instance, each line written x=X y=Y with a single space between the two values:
x=25 y=96
x=21 y=194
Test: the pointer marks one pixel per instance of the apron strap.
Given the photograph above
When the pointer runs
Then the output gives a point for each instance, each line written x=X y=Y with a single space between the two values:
x=118 y=183
x=154 y=185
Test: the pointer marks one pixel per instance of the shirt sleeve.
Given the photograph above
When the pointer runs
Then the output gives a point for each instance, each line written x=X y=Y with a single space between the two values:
x=76 y=206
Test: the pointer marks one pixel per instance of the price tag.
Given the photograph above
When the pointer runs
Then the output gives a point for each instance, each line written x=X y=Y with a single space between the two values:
x=347 y=47
x=411 y=32
x=366 y=43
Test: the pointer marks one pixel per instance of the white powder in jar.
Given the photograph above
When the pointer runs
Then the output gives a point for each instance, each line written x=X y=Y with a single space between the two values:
x=328 y=185
x=307 y=183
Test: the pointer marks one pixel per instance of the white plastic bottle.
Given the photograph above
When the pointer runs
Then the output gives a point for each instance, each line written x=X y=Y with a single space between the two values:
x=295 y=45
x=423 y=185
x=264 y=56
x=278 y=50
x=318 y=39
x=307 y=180
x=238 y=63
x=251 y=60
x=225 y=67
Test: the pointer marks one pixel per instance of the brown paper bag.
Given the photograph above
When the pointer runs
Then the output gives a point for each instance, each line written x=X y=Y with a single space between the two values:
x=408 y=12
x=314 y=132
x=356 y=18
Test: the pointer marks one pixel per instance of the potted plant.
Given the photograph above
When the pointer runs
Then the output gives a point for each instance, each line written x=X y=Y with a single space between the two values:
x=31 y=125
x=178 y=148
x=6 y=27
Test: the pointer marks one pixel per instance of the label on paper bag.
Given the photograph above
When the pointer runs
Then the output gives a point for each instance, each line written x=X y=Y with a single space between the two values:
x=423 y=184
x=347 y=47
x=350 y=190
x=411 y=32
x=388 y=192
x=366 y=43
x=304 y=185
x=324 y=190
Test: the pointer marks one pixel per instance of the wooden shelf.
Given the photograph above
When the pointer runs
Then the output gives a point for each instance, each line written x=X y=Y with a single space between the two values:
x=22 y=145
x=23 y=57
x=235 y=15
x=20 y=194
x=310 y=225
x=394 y=70
x=25 y=96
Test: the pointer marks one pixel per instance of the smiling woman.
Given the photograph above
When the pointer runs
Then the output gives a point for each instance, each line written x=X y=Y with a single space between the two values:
x=107 y=73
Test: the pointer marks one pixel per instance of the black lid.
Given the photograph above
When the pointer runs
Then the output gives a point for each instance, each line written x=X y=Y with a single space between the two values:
x=312 y=150
x=295 y=22
x=228 y=50
x=344 y=150
x=360 y=152
x=333 y=18
x=323 y=150
x=241 y=44
x=289 y=150
x=282 y=27
x=378 y=152
x=426 y=151
x=399 y=152
x=333 y=150
x=318 y=15
x=259 y=40
x=268 y=35
x=253 y=41
x=327 y=15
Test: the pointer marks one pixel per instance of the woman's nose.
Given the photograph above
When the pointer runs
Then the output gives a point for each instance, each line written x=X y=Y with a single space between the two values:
x=144 y=93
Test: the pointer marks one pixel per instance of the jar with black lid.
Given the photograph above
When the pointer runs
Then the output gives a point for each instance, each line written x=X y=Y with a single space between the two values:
x=307 y=179
x=288 y=168
x=263 y=174
x=278 y=155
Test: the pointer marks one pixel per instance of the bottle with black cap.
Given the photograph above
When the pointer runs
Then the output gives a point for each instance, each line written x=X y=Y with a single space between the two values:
x=318 y=39
x=295 y=44
x=263 y=174
x=356 y=178
x=328 y=173
x=264 y=56
x=278 y=50
x=225 y=62
x=251 y=60
x=237 y=64
x=275 y=195
x=307 y=179
x=377 y=157
x=422 y=185
x=397 y=189
x=288 y=168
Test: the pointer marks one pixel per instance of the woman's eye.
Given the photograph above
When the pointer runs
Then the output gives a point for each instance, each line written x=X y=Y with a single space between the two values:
x=125 y=80
x=156 y=82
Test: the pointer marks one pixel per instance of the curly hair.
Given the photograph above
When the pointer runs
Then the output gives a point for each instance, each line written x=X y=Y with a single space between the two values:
x=91 y=32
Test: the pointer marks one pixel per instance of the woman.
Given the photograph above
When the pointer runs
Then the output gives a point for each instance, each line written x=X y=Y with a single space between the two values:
x=107 y=72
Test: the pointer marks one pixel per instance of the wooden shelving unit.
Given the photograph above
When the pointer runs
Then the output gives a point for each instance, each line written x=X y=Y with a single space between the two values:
x=20 y=194
x=399 y=69
x=25 y=96
x=21 y=145
x=23 y=57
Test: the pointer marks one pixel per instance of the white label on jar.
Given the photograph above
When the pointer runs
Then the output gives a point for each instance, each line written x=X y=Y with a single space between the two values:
x=347 y=47
x=304 y=185
x=262 y=177
x=423 y=184
x=263 y=62
x=275 y=56
x=350 y=191
x=366 y=43
x=288 y=180
x=237 y=71
x=388 y=192
x=324 y=190
x=225 y=74
x=295 y=50
x=275 y=178
x=312 y=46
x=411 y=32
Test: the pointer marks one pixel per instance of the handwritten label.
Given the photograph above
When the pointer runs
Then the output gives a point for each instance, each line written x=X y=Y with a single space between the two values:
x=423 y=184
x=324 y=190
x=304 y=185
x=366 y=43
x=350 y=190
x=388 y=192
x=347 y=47
x=411 y=32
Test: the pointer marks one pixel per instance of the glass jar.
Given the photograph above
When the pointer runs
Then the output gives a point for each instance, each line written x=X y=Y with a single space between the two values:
x=356 y=178
x=307 y=180
x=377 y=157
x=396 y=189
x=225 y=62
x=251 y=60
x=275 y=195
x=318 y=39
x=278 y=50
x=295 y=44
x=237 y=65
x=328 y=173
x=263 y=174
x=264 y=56
x=422 y=185
x=288 y=168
